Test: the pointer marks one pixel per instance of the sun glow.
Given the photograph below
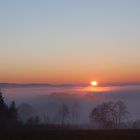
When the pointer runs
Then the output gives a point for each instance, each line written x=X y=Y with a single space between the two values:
x=97 y=89
x=94 y=83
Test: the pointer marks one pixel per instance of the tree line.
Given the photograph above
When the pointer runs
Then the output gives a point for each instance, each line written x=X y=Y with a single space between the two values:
x=8 y=114
x=109 y=115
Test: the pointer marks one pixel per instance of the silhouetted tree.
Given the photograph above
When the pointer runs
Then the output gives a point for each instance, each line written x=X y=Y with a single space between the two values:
x=13 y=114
x=75 y=113
x=8 y=115
x=33 y=121
x=3 y=111
x=119 y=112
x=30 y=121
x=25 y=112
x=46 y=118
x=109 y=114
x=64 y=113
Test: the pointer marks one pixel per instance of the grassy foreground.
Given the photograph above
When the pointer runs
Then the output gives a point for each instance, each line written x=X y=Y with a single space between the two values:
x=44 y=134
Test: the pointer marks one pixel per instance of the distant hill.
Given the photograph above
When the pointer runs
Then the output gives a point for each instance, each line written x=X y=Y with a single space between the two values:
x=16 y=85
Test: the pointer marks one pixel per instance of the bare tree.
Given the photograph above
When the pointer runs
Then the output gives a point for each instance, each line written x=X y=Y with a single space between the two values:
x=64 y=111
x=75 y=113
x=136 y=124
x=46 y=118
x=119 y=112
x=32 y=121
x=109 y=114
x=25 y=112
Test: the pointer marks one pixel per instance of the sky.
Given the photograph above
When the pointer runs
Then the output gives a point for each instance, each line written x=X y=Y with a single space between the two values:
x=69 y=41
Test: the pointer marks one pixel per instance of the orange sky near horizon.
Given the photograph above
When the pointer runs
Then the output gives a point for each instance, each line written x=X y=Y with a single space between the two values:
x=69 y=41
x=74 y=76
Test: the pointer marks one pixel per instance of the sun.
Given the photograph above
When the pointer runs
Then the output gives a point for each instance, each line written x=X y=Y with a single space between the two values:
x=94 y=83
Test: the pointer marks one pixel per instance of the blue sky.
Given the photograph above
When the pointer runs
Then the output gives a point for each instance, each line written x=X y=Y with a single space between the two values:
x=45 y=40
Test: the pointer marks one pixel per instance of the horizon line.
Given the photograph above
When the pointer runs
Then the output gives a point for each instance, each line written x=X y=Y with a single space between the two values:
x=7 y=84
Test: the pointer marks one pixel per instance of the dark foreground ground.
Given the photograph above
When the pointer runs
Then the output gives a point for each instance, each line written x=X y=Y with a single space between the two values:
x=43 y=134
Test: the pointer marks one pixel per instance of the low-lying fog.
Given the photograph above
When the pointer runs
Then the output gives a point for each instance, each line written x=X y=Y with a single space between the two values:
x=47 y=100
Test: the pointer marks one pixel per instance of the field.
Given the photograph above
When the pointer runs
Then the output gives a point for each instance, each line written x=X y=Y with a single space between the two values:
x=44 y=134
